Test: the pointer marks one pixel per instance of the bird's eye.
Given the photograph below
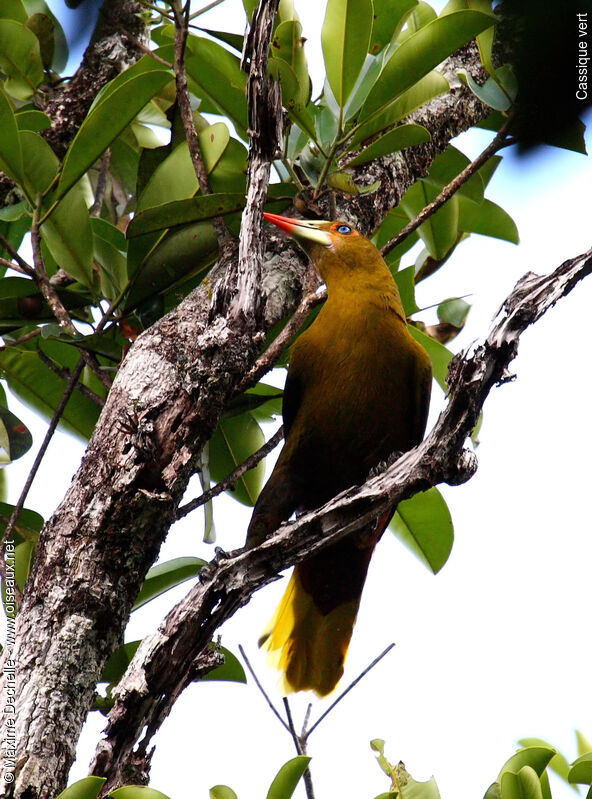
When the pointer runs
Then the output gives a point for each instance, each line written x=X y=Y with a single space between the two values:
x=344 y=229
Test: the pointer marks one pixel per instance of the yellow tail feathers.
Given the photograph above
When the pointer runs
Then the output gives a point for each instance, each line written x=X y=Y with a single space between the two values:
x=307 y=646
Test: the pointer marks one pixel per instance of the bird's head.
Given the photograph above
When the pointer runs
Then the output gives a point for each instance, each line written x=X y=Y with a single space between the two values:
x=337 y=248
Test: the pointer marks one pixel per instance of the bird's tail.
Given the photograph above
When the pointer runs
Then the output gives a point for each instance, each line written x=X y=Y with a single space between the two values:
x=309 y=634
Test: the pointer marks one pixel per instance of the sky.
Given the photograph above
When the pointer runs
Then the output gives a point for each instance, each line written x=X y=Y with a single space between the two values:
x=496 y=646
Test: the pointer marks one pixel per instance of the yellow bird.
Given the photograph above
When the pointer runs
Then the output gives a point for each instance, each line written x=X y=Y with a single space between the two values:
x=357 y=391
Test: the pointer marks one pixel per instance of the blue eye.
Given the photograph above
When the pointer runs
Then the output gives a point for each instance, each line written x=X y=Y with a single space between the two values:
x=344 y=229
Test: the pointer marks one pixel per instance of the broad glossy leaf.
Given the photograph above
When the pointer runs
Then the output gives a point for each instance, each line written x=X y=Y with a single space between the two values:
x=118 y=661
x=423 y=523
x=42 y=26
x=396 y=139
x=88 y=788
x=230 y=671
x=60 y=56
x=430 y=86
x=13 y=9
x=235 y=40
x=490 y=93
x=20 y=59
x=183 y=212
x=15 y=437
x=389 y=17
x=164 y=576
x=217 y=77
x=287 y=44
x=536 y=757
x=106 y=120
x=391 y=226
x=558 y=763
x=440 y=231
x=439 y=355
x=112 y=265
x=405 y=280
x=38 y=386
x=137 y=792
x=234 y=440
x=293 y=95
x=420 y=790
x=454 y=311
x=287 y=778
x=523 y=785
x=420 y=16
x=366 y=79
x=421 y=52
x=28 y=525
x=32 y=120
x=584 y=745
x=447 y=165
x=67 y=231
x=487 y=219
x=345 y=37
x=11 y=158
x=222 y=792
x=581 y=770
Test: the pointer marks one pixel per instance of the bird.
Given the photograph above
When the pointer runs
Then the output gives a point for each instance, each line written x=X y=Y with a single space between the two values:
x=357 y=391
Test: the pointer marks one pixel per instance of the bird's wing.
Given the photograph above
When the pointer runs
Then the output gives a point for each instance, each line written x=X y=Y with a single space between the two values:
x=291 y=401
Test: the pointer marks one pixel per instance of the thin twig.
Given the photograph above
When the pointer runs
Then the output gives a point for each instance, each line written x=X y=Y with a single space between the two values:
x=66 y=374
x=236 y=474
x=97 y=206
x=181 y=32
x=25 y=267
x=300 y=744
x=262 y=689
x=36 y=464
x=17 y=342
x=203 y=10
x=9 y=265
x=500 y=141
x=347 y=690
x=149 y=52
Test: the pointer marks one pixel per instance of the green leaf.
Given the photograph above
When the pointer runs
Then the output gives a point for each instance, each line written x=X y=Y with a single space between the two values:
x=67 y=231
x=88 y=788
x=581 y=770
x=15 y=438
x=164 y=576
x=222 y=792
x=38 y=386
x=536 y=757
x=430 y=86
x=454 y=311
x=13 y=9
x=584 y=745
x=423 y=523
x=288 y=45
x=396 y=139
x=490 y=93
x=405 y=280
x=28 y=525
x=183 y=212
x=137 y=792
x=60 y=58
x=43 y=27
x=366 y=79
x=230 y=671
x=440 y=356
x=440 y=231
x=391 y=226
x=487 y=219
x=118 y=661
x=11 y=157
x=287 y=778
x=32 y=120
x=420 y=790
x=234 y=440
x=20 y=59
x=343 y=182
x=389 y=17
x=106 y=120
x=558 y=763
x=421 y=52
x=217 y=77
x=447 y=165
x=523 y=785
x=345 y=37
x=24 y=555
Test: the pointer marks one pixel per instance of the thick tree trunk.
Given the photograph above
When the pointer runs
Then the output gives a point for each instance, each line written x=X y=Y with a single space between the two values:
x=169 y=393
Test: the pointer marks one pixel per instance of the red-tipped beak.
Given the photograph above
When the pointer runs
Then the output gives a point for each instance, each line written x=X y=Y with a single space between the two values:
x=303 y=231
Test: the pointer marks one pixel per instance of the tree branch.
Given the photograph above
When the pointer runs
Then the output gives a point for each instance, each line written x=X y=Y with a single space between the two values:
x=158 y=671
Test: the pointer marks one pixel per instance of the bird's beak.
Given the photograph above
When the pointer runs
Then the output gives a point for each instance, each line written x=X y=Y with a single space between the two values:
x=303 y=231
